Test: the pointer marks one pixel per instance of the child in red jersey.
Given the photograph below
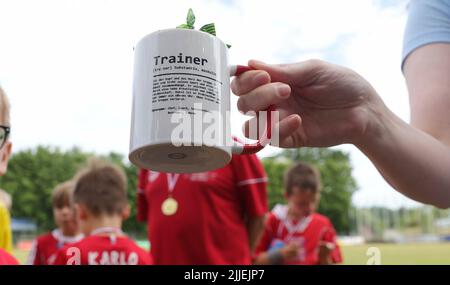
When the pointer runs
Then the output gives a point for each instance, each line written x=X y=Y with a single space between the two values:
x=45 y=246
x=100 y=200
x=294 y=233
x=219 y=214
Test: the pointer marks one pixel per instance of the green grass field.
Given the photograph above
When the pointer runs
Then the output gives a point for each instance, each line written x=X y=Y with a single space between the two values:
x=21 y=255
x=417 y=253
x=420 y=253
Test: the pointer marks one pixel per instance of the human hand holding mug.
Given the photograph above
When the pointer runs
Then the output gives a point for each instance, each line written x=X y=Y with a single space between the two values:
x=319 y=104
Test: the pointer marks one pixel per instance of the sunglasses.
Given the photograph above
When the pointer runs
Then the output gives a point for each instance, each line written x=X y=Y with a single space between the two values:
x=4 y=133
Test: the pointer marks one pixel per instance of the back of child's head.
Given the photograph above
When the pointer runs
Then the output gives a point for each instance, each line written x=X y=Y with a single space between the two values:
x=4 y=109
x=304 y=177
x=62 y=194
x=102 y=188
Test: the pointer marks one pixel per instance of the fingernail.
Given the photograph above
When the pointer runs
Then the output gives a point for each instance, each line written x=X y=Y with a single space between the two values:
x=253 y=62
x=241 y=105
x=284 y=90
x=294 y=119
x=257 y=61
x=261 y=78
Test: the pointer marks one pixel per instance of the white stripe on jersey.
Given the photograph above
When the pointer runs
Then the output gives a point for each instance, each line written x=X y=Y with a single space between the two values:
x=252 y=181
x=280 y=211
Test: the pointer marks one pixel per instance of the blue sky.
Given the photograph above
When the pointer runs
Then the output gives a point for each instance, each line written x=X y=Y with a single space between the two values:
x=67 y=65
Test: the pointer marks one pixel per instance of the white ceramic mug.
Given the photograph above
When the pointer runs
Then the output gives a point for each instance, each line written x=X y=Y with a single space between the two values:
x=182 y=75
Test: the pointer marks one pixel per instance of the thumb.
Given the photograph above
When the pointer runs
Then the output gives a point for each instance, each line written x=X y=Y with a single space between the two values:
x=277 y=72
x=296 y=74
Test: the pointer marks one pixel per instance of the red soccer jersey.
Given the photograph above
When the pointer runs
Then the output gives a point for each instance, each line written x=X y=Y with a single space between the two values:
x=308 y=233
x=103 y=250
x=209 y=224
x=7 y=259
x=45 y=247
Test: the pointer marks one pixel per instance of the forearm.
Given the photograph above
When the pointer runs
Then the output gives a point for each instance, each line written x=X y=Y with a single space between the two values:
x=325 y=261
x=413 y=162
x=324 y=254
x=255 y=227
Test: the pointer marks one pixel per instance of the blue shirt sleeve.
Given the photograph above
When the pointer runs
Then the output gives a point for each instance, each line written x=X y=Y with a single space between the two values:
x=428 y=22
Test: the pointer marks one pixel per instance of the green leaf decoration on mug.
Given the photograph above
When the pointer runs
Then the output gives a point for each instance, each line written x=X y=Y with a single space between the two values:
x=184 y=26
x=209 y=28
x=190 y=21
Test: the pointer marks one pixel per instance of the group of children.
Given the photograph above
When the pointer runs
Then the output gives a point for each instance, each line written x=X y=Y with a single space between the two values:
x=89 y=212
x=90 y=208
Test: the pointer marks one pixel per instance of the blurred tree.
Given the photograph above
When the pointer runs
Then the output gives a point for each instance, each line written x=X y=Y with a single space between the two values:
x=275 y=169
x=33 y=174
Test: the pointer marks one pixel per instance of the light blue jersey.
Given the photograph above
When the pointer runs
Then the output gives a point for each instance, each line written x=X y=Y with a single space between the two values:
x=428 y=22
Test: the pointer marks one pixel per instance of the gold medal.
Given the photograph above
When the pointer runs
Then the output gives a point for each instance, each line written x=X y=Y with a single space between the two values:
x=169 y=206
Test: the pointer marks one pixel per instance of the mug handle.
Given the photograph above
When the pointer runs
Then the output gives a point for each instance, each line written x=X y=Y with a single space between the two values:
x=240 y=148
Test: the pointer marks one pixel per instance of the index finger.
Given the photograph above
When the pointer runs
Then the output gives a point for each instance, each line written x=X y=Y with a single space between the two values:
x=249 y=80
